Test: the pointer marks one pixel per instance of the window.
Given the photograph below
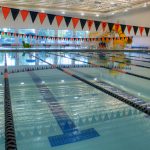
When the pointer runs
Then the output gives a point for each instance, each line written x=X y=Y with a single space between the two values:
x=82 y=34
x=7 y=39
x=65 y=33
x=46 y=32
x=27 y=32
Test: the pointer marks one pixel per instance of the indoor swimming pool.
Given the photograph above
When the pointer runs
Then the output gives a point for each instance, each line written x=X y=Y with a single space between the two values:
x=57 y=109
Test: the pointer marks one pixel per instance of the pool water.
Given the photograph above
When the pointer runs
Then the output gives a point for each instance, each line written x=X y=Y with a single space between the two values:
x=53 y=110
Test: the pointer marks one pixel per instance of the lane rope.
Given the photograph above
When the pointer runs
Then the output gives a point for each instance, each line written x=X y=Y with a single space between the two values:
x=144 y=108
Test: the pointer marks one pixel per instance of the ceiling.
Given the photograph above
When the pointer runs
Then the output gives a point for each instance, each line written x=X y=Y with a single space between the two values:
x=97 y=7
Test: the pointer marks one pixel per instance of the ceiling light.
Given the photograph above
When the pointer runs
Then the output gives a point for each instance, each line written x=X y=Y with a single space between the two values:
x=22 y=83
x=145 y=5
x=82 y=14
x=5 y=29
x=63 y=12
x=112 y=3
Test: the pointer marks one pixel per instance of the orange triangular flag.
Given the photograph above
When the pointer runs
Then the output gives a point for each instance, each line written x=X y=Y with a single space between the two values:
x=59 y=20
x=104 y=25
x=90 y=23
x=42 y=17
x=129 y=28
x=75 y=22
x=117 y=27
x=24 y=14
x=141 y=30
x=5 y=11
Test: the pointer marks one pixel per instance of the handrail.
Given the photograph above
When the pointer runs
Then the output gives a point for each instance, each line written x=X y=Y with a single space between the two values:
x=66 y=50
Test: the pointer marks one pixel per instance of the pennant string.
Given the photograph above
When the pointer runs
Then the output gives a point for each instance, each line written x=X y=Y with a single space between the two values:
x=83 y=22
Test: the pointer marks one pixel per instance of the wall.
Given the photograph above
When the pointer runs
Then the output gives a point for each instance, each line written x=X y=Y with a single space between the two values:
x=141 y=42
x=136 y=17
x=18 y=23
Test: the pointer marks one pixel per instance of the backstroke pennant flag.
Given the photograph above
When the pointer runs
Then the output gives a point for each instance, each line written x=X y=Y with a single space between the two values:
x=90 y=23
x=33 y=15
x=67 y=20
x=14 y=13
x=42 y=17
x=82 y=22
x=123 y=27
x=24 y=14
x=117 y=27
x=141 y=30
x=129 y=28
x=51 y=18
x=104 y=24
x=5 y=11
x=135 y=28
x=97 y=24
x=110 y=25
x=75 y=22
x=59 y=20
x=147 y=31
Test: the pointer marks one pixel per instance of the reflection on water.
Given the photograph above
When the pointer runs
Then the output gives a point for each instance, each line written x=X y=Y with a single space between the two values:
x=19 y=59
x=112 y=61
x=117 y=63
x=117 y=123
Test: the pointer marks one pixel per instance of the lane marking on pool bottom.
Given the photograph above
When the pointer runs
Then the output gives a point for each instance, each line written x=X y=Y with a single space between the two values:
x=71 y=133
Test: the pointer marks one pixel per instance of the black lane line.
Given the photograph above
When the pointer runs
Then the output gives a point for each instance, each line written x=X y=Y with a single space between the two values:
x=10 y=137
x=71 y=133
x=143 y=108
x=124 y=72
